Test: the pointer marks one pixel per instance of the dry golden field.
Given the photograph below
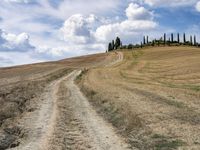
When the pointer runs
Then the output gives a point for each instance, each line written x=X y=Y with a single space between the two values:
x=21 y=96
x=146 y=99
x=152 y=97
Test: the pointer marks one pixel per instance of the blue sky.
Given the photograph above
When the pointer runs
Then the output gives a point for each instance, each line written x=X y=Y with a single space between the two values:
x=43 y=30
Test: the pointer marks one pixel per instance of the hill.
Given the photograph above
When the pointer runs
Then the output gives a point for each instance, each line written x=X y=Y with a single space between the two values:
x=130 y=99
x=23 y=101
x=152 y=97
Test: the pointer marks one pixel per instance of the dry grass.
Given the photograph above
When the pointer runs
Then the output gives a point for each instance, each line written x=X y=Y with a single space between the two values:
x=154 y=91
x=17 y=99
x=21 y=86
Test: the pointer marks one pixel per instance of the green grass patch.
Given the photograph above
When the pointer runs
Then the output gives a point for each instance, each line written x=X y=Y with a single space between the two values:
x=181 y=86
x=192 y=87
x=158 y=136
x=166 y=143
x=175 y=103
x=169 y=145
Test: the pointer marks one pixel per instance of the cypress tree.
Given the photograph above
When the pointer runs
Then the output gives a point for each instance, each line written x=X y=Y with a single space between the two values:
x=147 y=39
x=144 y=41
x=113 y=44
x=117 y=43
x=165 y=38
x=195 y=42
x=191 y=40
x=178 y=38
x=184 y=38
x=172 y=37
x=110 y=48
x=141 y=45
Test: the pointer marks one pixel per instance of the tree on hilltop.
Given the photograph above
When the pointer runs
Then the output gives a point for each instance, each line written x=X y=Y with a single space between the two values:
x=110 y=48
x=113 y=44
x=164 y=38
x=195 y=41
x=172 y=37
x=184 y=38
x=191 y=42
x=178 y=38
x=144 y=40
x=117 y=43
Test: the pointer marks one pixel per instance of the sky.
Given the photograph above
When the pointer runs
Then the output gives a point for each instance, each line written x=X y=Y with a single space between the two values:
x=44 y=30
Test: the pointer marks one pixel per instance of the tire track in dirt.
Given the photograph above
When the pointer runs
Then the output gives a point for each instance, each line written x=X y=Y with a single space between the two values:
x=119 y=59
x=78 y=125
x=38 y=124
x=66 y=120
x=87 y=130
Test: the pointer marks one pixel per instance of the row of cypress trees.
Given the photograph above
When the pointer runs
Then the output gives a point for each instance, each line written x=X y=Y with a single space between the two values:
x=171 y=40
x=164 y=40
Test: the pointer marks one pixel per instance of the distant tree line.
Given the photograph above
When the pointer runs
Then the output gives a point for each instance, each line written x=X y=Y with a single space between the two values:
x=162 y=41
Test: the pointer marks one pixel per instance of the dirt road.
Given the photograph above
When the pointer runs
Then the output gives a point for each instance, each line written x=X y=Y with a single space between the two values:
x=84 y=129
x=118 y=59
x=66 y=120
x=39 y=123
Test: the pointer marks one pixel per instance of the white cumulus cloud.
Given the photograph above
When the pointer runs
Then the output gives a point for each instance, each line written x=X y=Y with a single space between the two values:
x=107 y=32
x=77 y=28
x=12 y=42
x=139 y=20
x=198 y=6
x=136 y=12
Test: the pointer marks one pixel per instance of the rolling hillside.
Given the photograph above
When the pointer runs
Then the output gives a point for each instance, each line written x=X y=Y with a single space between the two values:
x=152 y=97
x=133 y=99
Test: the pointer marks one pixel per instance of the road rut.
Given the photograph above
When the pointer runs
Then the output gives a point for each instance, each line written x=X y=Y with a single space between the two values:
x=66 y=120
x=84 y=129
